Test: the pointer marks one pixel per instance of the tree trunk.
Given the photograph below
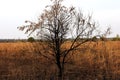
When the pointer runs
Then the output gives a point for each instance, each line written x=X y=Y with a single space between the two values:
x=60 y=73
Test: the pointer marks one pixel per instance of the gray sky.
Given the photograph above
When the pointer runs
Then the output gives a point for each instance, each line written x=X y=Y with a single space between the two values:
x=13 y=13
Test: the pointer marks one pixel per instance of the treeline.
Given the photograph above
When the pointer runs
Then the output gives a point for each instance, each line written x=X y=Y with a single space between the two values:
x=13 y=40
x=31 y=39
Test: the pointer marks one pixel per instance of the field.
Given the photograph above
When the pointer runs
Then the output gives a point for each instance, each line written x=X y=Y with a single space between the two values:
x=98 y=61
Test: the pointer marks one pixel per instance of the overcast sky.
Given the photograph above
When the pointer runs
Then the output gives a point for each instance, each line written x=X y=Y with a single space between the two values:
x=13 y=13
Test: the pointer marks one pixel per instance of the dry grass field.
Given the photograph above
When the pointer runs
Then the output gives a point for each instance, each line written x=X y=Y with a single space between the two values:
x=98 y=61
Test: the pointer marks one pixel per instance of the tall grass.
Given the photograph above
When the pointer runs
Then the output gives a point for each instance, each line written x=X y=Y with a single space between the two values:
x=98 y=61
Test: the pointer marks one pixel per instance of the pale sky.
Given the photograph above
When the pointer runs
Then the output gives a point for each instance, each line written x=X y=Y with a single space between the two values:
x=13 y=13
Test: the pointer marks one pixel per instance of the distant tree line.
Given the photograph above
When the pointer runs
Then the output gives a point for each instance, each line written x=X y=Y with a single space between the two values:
x=117 y=38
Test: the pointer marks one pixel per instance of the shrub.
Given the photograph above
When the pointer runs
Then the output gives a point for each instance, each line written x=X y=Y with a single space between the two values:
x=103 y=38
x=94 y=39
x=31 y=39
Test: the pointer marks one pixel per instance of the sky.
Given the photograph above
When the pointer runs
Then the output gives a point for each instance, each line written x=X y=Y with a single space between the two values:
x=13 y=13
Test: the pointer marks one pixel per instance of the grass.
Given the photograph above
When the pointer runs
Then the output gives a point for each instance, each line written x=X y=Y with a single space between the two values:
x=100 y=61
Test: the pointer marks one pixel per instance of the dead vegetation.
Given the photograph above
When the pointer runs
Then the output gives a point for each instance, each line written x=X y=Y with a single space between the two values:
x=100 y=61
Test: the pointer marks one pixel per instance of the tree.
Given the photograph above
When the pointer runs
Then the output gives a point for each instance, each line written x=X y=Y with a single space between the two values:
x=55 y=25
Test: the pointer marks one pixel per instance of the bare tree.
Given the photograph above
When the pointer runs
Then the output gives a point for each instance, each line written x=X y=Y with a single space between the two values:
x=55 y=25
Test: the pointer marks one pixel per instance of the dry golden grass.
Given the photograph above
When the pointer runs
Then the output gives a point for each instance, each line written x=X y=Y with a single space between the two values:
x=101 y=61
